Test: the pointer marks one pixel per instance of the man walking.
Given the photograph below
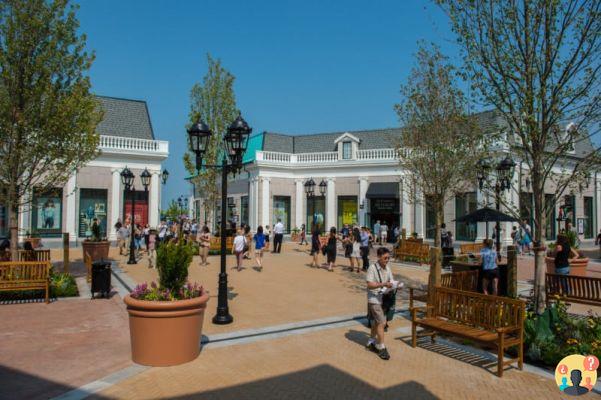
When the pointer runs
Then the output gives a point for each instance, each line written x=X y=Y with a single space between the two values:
x=377 y=231
x=365 y=247
x=278 y=236
x=379 y=279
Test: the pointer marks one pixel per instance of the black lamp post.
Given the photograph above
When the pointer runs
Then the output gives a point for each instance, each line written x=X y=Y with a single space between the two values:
x=310 y=192
x=235 y=142
x=127 y=178
x=504 y=174
x=164 y=176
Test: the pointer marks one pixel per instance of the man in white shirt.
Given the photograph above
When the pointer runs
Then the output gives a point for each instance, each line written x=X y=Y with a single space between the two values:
x=278 y=236
x=383 y=233
x=379 y=277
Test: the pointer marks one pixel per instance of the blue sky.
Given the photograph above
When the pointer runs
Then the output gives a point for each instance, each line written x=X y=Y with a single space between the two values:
x=300 y=66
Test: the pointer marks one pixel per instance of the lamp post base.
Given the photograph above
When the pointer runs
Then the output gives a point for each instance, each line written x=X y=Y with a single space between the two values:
x=223 y=318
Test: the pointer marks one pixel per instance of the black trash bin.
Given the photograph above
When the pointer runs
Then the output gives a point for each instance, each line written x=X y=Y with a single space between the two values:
x=101 y=278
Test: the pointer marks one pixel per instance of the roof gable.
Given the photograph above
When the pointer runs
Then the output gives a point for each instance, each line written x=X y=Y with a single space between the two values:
x=347 y=137
x=125 y=118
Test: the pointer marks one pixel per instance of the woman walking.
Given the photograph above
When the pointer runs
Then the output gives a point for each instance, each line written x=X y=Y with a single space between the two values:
x=490 y=270
x=303 y=235
x=331 y=249
x=563 y=252
x=204 y=241
x=356 y=253
x=248 y=236
x=238 y=248
x=259 y=245
x=315 y=247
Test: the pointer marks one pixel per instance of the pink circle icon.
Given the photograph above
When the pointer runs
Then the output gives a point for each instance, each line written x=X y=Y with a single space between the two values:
x=591 y=363
x=562 y=369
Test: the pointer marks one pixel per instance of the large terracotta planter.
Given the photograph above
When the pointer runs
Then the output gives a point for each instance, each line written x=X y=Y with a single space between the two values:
x=96 y=250
x=165 y=333
x=577 y=266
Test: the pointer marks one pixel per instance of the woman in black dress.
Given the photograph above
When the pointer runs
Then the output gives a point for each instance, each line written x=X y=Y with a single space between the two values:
x=331 y=249
x=315 y=247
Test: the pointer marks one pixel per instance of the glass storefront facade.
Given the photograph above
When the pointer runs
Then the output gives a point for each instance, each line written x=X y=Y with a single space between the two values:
x=92 y=204
x=281 y=211
x=347 y=211
x=316 y=209
x=465 y=204
x=588 y=218
x=47 y=213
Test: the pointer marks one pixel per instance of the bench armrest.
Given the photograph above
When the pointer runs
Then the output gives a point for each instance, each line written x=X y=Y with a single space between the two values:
x=508 y=329
x=414 y=310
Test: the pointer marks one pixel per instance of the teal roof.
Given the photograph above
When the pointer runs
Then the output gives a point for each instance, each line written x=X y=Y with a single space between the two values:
x=255 y=142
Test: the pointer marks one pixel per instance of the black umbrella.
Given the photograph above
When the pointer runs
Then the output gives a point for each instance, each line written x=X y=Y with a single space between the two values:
x=487 y=215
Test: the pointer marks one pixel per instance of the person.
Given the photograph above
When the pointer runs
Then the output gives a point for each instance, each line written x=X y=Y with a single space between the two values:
x=248 y=237
x=146 y=233
x=379 y=276
x=446 y=242
x=162 y=231
x=204 y=240
x=48 y=214
x=526 y=235
x=259 y=244
x=365 y=247
x=516 y=238
x=575 y=389
x=5 y=250
x=331 y=249
x=151 y=248
x=238 y=248
x=122 y=239
x=490 y=271
x=303 y=235
x=396 y=232
x=377 y=230
x=137 y=238
x=315 y=247
x=345 y=231
x=194 y=229
x=347 y=243
x=278 y=236
x=589 y=384
x=267 y=236
x=186 y=226
x=356 y=253
x=383 y=233
x=118 y=225
x=563 y=253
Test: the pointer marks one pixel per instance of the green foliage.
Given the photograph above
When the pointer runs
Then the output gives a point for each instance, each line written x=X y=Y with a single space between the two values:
x=173 y=212
x=173 y=260
x=63 y=285
x=96 y=232
x=48 y=116
x=554 y=334
x=572 y=239
x=214 y=102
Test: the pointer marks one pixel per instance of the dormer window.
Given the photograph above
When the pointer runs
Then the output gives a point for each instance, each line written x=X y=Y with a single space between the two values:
x=347 y=150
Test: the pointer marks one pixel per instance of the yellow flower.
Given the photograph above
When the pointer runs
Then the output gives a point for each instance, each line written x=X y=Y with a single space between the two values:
x=571 y=341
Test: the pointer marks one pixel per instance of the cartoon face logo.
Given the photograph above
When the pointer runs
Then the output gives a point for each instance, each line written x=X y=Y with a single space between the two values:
x=576 y=374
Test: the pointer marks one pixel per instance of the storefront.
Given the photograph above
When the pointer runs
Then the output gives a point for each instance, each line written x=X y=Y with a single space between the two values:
x=347 y=211
x=316 y=211
x=465 y=204
x=140 y=207
x=281 y=211
x=385 y=211
x=47 y=213
x=92 y=205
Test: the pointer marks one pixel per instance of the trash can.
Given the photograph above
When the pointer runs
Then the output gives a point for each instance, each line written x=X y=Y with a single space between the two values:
x=101 y=278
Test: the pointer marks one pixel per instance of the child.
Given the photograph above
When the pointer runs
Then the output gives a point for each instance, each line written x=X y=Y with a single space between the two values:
x=259 y=245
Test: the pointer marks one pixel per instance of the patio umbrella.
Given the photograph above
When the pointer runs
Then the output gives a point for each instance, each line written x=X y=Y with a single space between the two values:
x=487 y=215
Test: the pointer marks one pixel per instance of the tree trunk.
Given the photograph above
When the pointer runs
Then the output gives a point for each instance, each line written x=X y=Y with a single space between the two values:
x=13 y=223
x=539 y=242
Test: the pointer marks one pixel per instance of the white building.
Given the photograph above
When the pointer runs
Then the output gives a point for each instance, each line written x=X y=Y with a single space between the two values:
x=364 y=184
x=95 y=191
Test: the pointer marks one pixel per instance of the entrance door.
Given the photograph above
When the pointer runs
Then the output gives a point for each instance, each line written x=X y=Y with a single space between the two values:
x=140 y=208
x=384 y=210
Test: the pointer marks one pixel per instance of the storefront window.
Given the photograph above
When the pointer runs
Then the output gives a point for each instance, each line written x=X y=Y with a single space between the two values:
x=346 y=150
x=465 y=204
x=47 y=212
x=316 y=209
x=551 y=222
x=281 y=211
x=92 y=204
x=244 y=210
x=347 y=210
x=588 y=218
x=430 y=218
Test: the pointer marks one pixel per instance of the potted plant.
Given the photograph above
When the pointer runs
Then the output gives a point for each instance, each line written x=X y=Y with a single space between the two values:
x=34 y=239
x=165 y=319
x=96 y=246
x=578 y=264
x=294 y=234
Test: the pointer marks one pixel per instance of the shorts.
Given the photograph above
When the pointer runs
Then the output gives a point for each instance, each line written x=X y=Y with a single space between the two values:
x=375 y=312
x=490 y=274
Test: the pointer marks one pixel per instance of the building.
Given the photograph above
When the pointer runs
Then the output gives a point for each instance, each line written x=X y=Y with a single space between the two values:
x=95 y=191
x=365 y=184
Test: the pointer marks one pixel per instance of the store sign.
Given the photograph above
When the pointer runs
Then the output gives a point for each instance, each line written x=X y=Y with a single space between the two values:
x=383 y=205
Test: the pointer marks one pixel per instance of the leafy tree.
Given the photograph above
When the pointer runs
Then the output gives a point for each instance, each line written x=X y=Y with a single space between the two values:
x=439 y=141
x=538 y=63
x=48 y=117
x=214 y=102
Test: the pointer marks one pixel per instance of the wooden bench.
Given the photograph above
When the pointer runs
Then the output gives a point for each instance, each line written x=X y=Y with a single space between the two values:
x=471 y=248
x=575 y=289
x=413 y=249
x=216 y=244
x=34 y=255
x=464 y=280
x=25 y=275
x=491 y=320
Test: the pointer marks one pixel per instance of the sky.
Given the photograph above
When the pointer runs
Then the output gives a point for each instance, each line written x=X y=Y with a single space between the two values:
x=300 y=66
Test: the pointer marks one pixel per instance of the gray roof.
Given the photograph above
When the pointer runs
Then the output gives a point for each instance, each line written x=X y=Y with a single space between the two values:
x=125 y=117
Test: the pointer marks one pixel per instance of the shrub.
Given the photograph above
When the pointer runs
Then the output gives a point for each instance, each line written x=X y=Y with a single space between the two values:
x=156 y=293
x=63 y=285
x=173 y=260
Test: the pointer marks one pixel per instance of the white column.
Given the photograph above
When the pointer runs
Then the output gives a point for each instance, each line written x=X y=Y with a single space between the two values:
x=265 y=203
x=419 y=214
x=191 y=208
x=406 y=209
x=251 y=204
x=71 y=208
x=254 y=203
x=481 y=226
x=25 y=215
x=300 y=202
x=153 y=201
x=115 y=203
x=363 y=184
x=331 y=214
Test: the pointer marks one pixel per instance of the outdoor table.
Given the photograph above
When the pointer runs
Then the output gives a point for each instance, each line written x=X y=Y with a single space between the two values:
x=476 y=265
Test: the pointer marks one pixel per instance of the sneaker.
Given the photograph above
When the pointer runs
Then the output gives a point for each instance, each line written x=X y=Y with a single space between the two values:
x=383 y=354
x=372 y=347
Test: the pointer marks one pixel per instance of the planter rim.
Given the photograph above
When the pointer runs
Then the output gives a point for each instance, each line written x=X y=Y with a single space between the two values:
x=578 y=260
x=166 y=305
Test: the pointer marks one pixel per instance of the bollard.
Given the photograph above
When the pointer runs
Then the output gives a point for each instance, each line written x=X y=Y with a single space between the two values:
x=65 y=252
x=435 y=271
x=512 y=272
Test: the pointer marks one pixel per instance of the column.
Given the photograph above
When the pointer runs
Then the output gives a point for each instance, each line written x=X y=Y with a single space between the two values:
x=331 y=215
x=254 y=203
x=153 y=200
x=251 y=200
x=71 y=208
x=420 y=209
x=24 y=215
x=363 y=184
x=265 y=203
x=115 y=203
x=405 y=204
x=481 y=226
x=299 y=202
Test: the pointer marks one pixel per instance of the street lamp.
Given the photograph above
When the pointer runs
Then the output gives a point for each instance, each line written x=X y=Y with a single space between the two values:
x=127 y=178
x=164 y=176
x=504 y=174
x=310 y=192
x=235 y=142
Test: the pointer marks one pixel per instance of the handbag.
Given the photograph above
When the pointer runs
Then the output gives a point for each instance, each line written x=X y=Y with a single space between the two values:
x=388 y=298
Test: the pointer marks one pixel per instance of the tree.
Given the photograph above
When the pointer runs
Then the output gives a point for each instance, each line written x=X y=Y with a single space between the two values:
x=538 y=63
x=214 y=102
x=439 y=141
x=48 y=116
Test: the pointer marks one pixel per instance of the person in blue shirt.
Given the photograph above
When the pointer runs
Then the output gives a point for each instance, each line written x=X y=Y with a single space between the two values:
x=259 y=245
x=490 y=271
